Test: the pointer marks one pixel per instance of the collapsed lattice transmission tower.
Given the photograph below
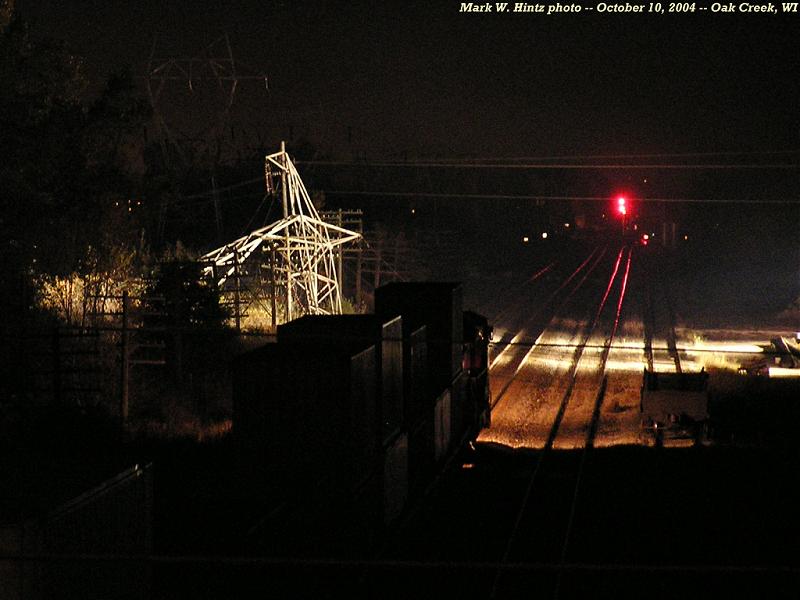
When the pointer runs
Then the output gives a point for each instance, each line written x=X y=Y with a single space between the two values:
x=300 y=250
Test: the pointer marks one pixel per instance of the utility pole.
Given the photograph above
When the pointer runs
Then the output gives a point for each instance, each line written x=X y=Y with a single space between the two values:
x=125 y=375
x=339 y=265
x=284 y=204
x=378 y=261
x=236 y=292
x=56 y=349
x=273 y=302
x=359 y=258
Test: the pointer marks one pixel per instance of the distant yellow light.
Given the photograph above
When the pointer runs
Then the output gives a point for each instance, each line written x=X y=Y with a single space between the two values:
x=525 y=239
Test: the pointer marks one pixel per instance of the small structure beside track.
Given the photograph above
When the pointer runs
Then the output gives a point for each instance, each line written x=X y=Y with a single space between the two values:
x=674 y=403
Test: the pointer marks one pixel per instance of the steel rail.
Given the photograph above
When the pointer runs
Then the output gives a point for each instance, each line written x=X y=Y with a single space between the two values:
x=589 y=445
x=547 y=303
x=553 y=432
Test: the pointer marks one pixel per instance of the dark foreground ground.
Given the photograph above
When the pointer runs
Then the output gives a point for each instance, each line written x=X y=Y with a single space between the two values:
x=718 y=519
x=659 y=523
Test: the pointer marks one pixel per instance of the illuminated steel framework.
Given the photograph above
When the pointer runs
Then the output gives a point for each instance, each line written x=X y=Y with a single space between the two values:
x=302 y=245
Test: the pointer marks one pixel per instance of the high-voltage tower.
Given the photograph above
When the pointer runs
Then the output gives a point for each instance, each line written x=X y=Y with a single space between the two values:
x=209 y=82
x=302 y=248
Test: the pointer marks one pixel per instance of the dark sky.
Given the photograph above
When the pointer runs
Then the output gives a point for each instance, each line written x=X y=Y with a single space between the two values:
x=424 y=79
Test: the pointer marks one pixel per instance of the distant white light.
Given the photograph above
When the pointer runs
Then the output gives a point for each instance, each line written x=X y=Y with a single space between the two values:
x=544 y=235
x=525 y=239
x=566 y=224
x=783 y=372
x=686 y=237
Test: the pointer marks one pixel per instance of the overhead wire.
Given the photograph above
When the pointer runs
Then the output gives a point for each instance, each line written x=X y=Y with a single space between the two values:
x=490 y=163
x=557 y=166
x=208 y=198
x=397 y=564
x=562 y=198
x=607 y=156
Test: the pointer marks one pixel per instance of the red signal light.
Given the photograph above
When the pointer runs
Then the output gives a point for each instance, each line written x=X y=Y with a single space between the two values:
x=622 y=207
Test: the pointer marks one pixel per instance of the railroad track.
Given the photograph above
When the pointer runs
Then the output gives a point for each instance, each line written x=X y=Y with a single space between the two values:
x=507 y=363
x=533 y=382
x=531 y=495
x=547 y=511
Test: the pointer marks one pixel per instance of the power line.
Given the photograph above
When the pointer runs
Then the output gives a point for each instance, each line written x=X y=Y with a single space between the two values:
x=208 y=197
x=558 y=166
x=607 y=156
x=559 y=198
x=395 y=564
x=211 y=192
x=227 y=188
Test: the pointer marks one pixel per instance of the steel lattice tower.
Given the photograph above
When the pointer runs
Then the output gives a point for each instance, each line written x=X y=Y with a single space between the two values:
x=305 y=245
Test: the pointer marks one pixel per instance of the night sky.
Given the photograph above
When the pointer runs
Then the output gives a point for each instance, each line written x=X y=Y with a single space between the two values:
x=423 y=79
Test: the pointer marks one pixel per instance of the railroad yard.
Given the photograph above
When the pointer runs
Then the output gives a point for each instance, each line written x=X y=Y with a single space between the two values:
x=567 y=494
